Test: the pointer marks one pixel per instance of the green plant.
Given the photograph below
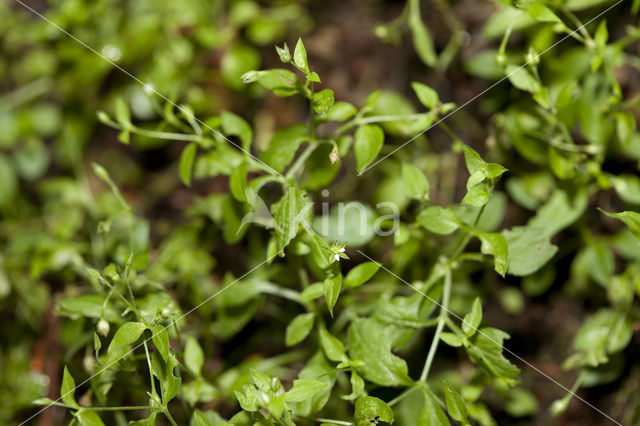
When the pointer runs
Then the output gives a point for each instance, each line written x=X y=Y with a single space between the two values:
x=223 y=288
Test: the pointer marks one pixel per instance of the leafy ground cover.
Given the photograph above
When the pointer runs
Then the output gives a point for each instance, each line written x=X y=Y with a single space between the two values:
x=413 y=213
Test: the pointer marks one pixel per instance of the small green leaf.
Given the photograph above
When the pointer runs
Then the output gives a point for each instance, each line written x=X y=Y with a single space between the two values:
x=522 y=78
x=322 y=101
x=529 y=250
x=97 y=343
x=371 y=410
x=299 y=328
x=331 y=287
x=438 y=220
x=238 y=182
x=300 y=56
x=292 y=210
x=631 y=219
x=122 y=114
x=128 y=333
x=368 y=142
x=314 y=77
x=625 y=126
x=67 y=389
x=332 y=346
x=496 y=245
x=186 y=162
x=542 y=13
x=89 y=418
x=193 y=356
x=370 y=341
x=161 y=340
x=426 y=95
x=415 y=182
x=471 y=321
x=455 y=405
x=431 y=414
x=361 y=274
x=422 y=40
x=477 y=196
x=233 y=124
x=303 y=389
x=451 y=339
x=284 y=53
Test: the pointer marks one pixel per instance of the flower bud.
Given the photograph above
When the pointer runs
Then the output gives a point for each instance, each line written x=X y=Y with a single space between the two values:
x=103 y=327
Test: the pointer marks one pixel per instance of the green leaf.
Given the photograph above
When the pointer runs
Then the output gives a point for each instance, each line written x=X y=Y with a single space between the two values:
x=233 y=124
x=322 y=101
x=496 y=245
x=473 y=161
x=451 y=339
x=371 y=410
x=341 y=111
x=67 y=389
x=625 y=126
x=238 y=182
x=486 y=351
x=89 y=418
x=128 y=333
x=431 y=414
x=627 y=187
x=283 y=146
x=299 y=328
x=122 y=114
x=455 y=405
x=97 y=343
x=438 y=220
x=529 y=250
x=161 y=340
x=314 y=77
x=368 y=142
x=303 y=389
x=291 y=211
x=477 y=196
x=370 y=341
x=522 y=78
x=361 y=274
x=415 y=182
x=331 y=287
x=163 y=370
x=471 y=321
x=426 y=95
x=422 y=40
x=193 y=356
x=332 y=346
x=300 y=56
x=284 y=53
x=542 y=13
x=186 y=162
x=280 y=81
x=631 y=219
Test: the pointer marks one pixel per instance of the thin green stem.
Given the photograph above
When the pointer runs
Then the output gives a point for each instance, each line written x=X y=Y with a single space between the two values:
x=297 y=165
x=146 y=352
x=332 y=421
x=444 y=313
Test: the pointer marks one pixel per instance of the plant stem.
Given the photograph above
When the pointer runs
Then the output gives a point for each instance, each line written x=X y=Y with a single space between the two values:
x=333 y=421
x=444 y=313
x=146 y=351
x=301 y=160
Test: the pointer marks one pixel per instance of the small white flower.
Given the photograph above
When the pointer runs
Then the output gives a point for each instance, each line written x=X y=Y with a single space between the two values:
x=341 y=250
x=336 y=257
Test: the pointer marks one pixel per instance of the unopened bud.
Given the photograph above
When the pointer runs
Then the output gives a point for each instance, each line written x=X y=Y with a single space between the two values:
x=103 y=327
